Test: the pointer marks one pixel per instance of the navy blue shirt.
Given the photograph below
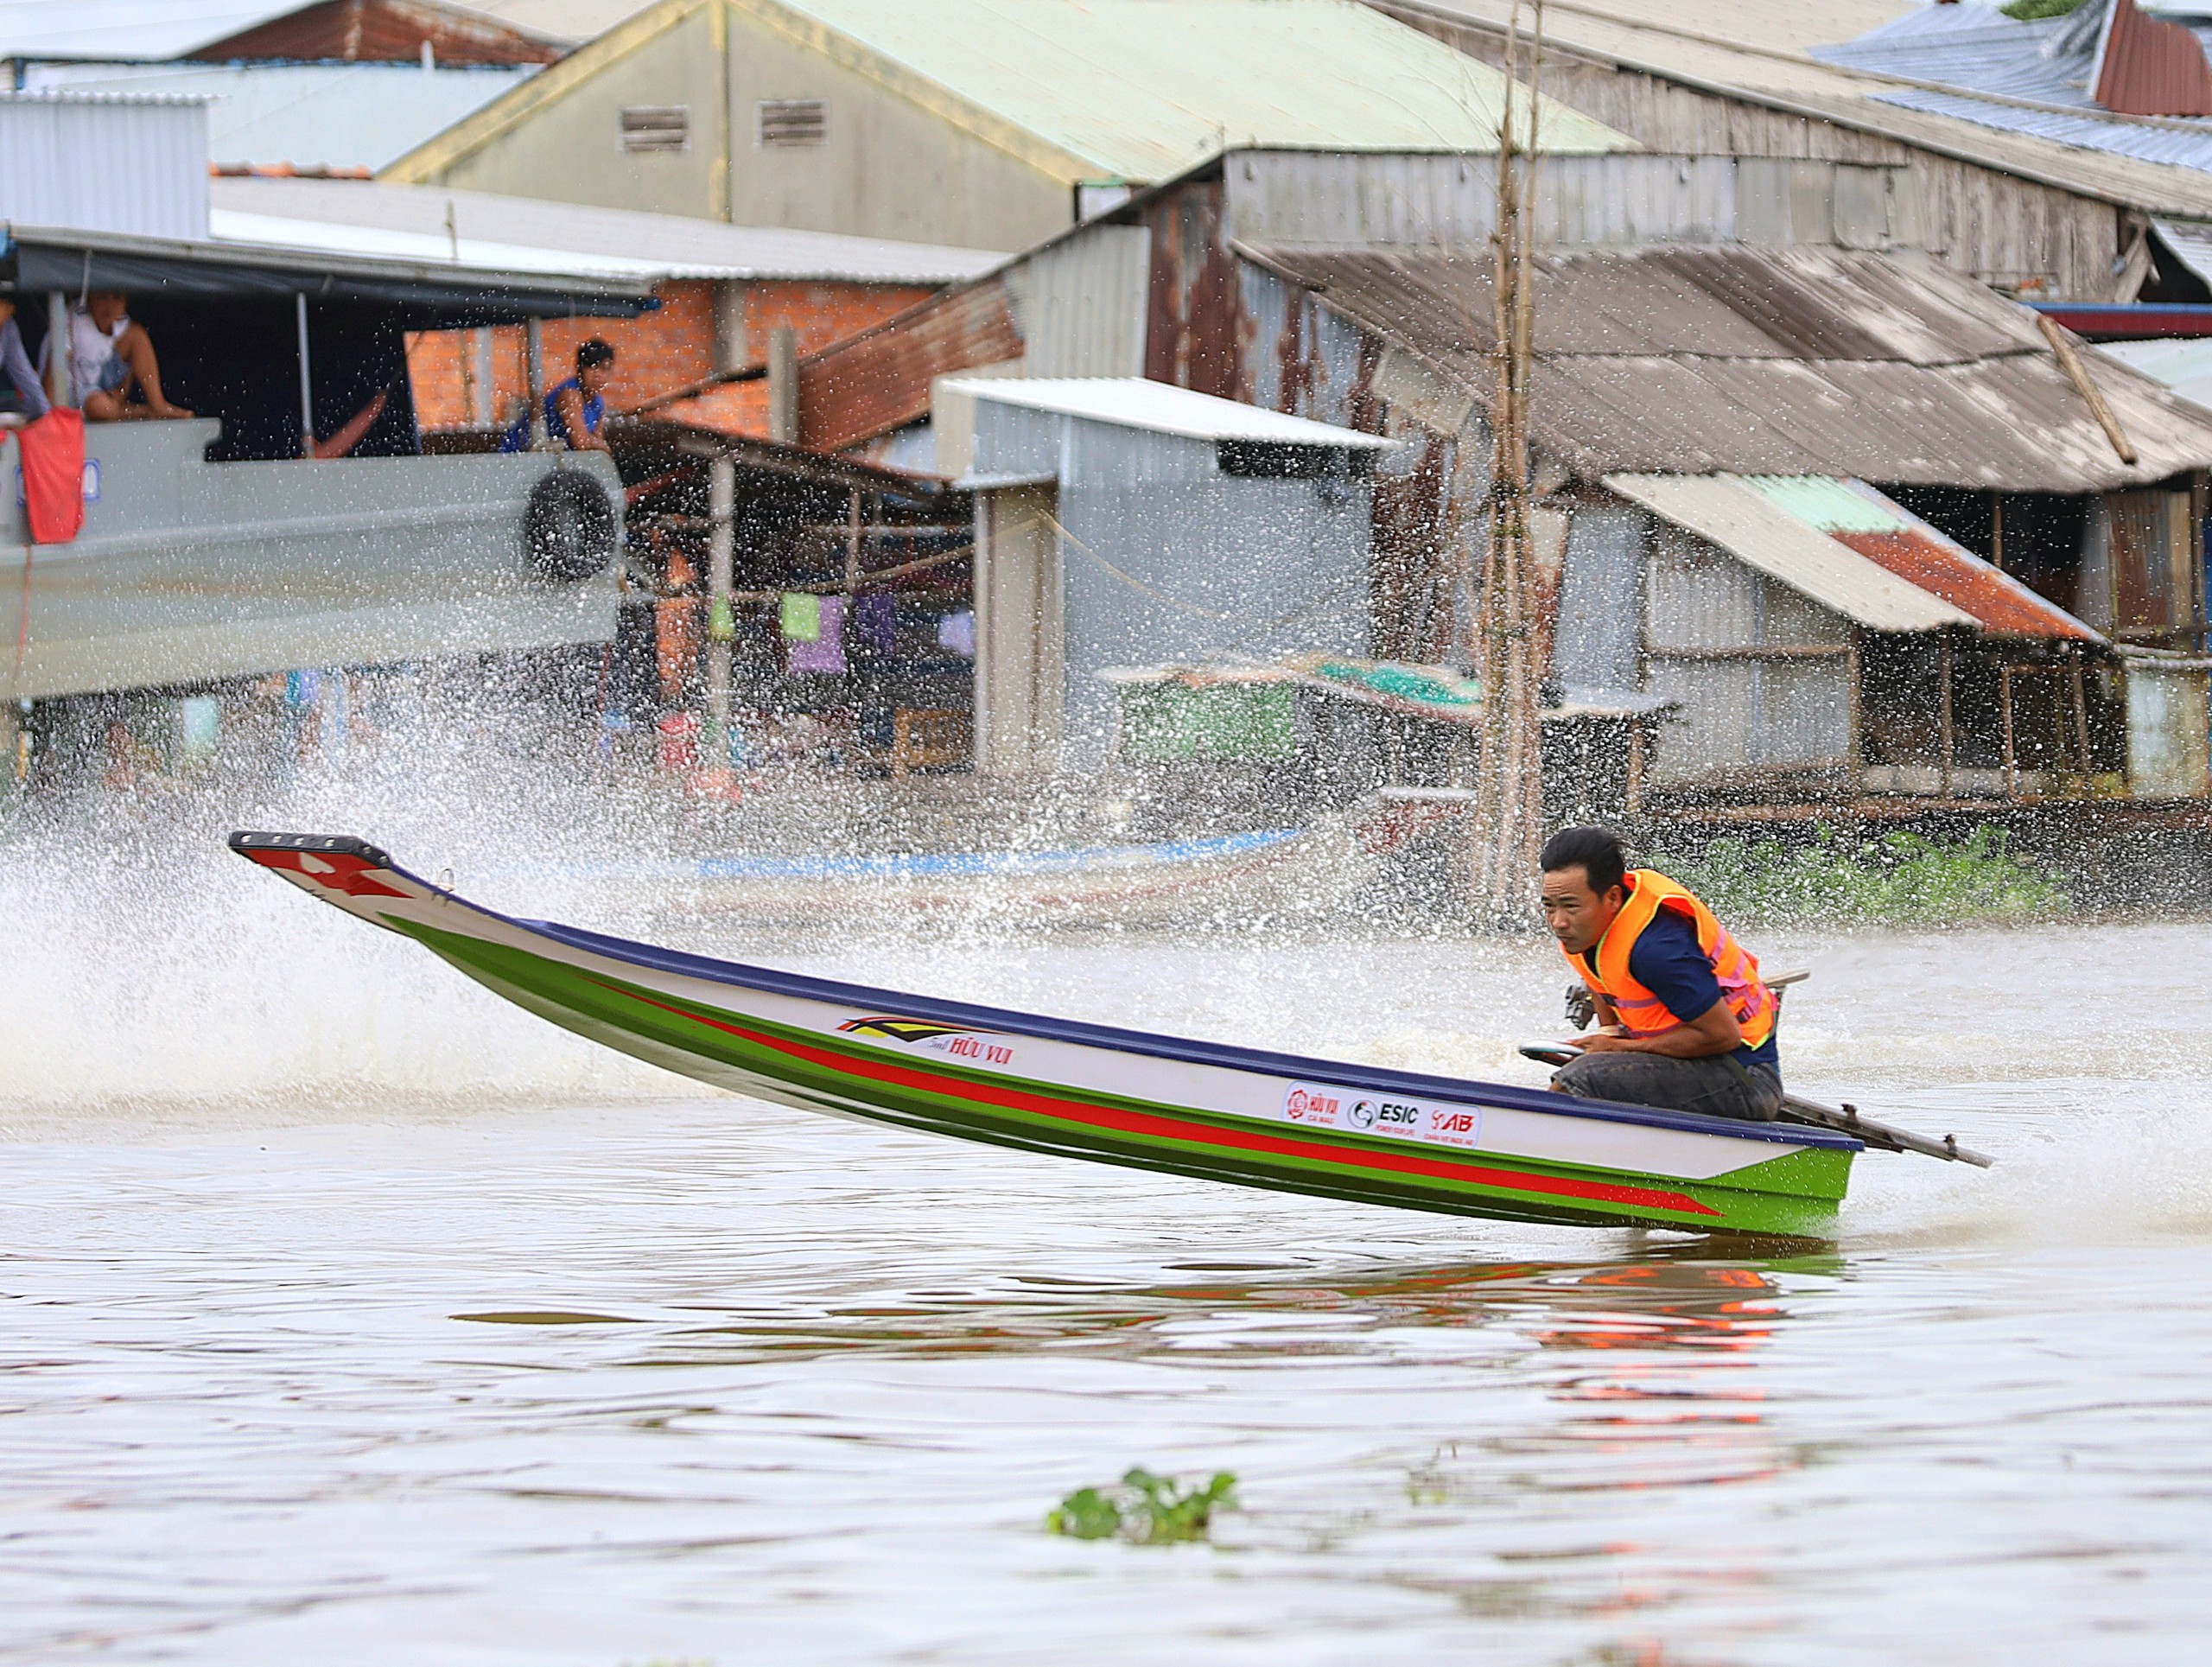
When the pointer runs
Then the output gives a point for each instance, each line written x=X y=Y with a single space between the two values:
x=1666 y=961
x=556 y=426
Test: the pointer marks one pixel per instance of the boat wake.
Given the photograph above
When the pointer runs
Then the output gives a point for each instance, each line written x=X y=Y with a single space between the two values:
x=156 y=990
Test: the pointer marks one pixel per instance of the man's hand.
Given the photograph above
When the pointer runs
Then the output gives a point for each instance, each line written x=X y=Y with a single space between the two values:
x=1714 y=1031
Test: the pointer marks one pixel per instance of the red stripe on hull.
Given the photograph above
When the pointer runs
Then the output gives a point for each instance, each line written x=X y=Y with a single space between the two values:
x=1146 y=1122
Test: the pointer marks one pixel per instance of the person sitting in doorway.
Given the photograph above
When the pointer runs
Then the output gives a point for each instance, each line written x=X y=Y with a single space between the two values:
x=20 y=393
x=110 y=359
x=574 y=408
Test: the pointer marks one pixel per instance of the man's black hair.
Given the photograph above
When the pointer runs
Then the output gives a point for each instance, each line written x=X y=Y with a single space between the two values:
x=1596 y=851
x=594 y=352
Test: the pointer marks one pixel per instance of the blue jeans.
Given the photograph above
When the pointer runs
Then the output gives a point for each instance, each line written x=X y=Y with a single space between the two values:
x=1718 y=1086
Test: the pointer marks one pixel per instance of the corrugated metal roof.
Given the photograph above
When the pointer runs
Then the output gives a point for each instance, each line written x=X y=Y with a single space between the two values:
x=1772 y=361
x=1749 y=525
x=1856 y=515
x=2149 y=67
x=1678 y=41
x=1976 y=49
x=1141 y=90
x=2190 y=244
x=880 y=380
x=307 y=115
x=388 y=31
x=368 y=215
x=141 y=29
x=2185 y=366
x=563 y=20
x=2172 y=146
x=59 y=257
x=1131 y=401
x=370 y=243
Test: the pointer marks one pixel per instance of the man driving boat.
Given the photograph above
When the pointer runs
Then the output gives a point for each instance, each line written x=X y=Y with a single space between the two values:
x=1685 y=1022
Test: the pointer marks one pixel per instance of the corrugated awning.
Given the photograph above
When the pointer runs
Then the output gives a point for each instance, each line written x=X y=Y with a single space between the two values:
x=74 y=260
x=1855 y=515
x=1850 y=550
x=1728 y=510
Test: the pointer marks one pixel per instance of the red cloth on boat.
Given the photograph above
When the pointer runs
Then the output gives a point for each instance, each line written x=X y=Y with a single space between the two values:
x=53 y=476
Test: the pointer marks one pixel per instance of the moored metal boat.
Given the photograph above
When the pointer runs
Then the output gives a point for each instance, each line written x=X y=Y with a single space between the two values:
x=1221 y=1112
x=1265 y=873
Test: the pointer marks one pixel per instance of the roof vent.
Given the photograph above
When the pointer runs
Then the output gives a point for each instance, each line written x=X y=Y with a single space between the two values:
x=787 y=123
x=656 y=127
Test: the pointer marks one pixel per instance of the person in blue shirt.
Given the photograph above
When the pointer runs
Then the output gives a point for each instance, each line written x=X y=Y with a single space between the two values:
x=574 y=408
x=1686 y=1021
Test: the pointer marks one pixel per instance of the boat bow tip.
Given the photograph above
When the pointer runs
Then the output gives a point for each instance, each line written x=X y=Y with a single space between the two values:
x=252 y=845
x=337 y=868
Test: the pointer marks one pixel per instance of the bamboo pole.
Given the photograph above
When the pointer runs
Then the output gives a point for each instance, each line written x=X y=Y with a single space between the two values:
x=1509 y=783
x=2078 y=374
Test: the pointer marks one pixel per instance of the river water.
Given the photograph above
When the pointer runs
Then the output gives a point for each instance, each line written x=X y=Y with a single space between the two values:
x=353 y=1316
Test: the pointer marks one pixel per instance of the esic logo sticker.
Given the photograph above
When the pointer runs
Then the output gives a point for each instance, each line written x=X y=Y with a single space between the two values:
x=1451 y=1125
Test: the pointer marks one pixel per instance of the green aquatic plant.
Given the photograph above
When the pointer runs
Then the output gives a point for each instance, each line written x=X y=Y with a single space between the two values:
x=1898 y=879
x=1144 y=1509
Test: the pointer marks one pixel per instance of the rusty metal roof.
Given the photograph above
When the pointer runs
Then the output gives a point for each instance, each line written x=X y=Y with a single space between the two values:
x=1857 y=516
x=1678 y=361
x=1850 y=550
x=879 y=380
x=2146 y=68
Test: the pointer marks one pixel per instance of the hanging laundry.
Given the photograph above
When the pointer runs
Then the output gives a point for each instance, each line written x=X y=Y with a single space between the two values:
x=825 y=651
x=800 y=615
x=53 y=476
x=957 y=633
x=875 y=623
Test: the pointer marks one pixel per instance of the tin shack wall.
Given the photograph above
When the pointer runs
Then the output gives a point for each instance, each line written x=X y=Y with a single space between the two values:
x=1166 y=558
x=1765 y=677
x=1998 y=226
x=134 y=166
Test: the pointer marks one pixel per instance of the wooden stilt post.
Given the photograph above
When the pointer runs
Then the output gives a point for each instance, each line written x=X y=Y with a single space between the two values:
x=1943 y=712
x=2005 y=711
x=541 y=437
x=2081 y=720
x=852 y=541
x=721 y=631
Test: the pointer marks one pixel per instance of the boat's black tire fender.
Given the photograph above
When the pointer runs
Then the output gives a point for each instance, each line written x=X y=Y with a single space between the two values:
x=568 y=531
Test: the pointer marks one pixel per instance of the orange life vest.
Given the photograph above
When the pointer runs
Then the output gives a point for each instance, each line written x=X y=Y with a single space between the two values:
x=1644 y=1013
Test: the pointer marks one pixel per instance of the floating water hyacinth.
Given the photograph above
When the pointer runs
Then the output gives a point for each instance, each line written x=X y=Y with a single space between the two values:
x=1144 y=1509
